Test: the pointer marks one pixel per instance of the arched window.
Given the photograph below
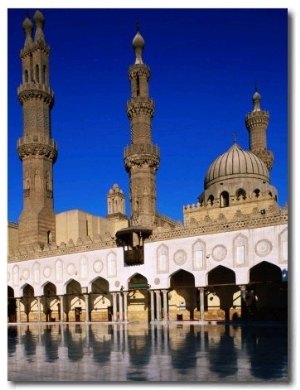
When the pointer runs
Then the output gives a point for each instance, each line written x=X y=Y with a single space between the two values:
x=137 y=85
x=241 y=194
x=49 y=237
x=26 y=76
x=44 y=74
x=224 y=199
x=210 y=200
x=37 y=74
x=257 y=192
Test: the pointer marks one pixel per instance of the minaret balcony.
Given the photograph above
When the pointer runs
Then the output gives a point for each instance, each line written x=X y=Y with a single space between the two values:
x=32 y=90
x=37 y=144
x=141 y=149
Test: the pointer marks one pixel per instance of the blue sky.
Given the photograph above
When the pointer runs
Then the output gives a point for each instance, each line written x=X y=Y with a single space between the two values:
x=204 y=67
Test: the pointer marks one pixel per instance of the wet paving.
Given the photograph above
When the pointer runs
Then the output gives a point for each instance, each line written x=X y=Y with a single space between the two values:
x=172 y=352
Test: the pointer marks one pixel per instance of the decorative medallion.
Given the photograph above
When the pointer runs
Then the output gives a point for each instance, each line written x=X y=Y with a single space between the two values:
x=117 y=284
x=156 y=281
x=47 y=272
x=263 y=248
x=219 y=252
x=98 y=266
x=25 y=274
x=71 y=269
x=180 y=257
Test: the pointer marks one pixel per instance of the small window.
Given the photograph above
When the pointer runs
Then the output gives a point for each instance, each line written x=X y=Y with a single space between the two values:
x=241 y=194
x=224 y=199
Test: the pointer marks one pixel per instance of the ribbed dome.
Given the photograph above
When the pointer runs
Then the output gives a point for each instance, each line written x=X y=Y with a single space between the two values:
x=236 y=163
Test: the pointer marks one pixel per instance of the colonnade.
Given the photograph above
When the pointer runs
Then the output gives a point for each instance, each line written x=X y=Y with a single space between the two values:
x=158 y=306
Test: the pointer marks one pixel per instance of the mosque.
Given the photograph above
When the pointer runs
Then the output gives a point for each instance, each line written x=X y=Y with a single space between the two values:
x=227 y=261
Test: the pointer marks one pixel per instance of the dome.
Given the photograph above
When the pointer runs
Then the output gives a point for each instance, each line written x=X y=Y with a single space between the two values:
x=236 y=163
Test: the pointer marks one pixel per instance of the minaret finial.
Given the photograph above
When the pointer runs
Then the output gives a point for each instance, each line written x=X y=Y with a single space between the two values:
x=137 y=26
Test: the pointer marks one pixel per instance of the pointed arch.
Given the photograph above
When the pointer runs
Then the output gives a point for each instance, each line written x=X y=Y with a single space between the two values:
x=265 y=272
x=220 y=275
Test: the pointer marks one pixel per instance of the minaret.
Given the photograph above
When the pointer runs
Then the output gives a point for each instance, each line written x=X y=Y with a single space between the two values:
x=36 y=149
x=115 y=202
x=257 y=122
x=141 y=158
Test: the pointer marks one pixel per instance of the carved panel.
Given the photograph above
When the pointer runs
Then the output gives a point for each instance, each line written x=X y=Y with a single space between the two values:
x=162 y=259
x=199 y=255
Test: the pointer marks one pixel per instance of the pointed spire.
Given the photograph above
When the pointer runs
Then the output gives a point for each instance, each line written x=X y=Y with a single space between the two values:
x=39 y=22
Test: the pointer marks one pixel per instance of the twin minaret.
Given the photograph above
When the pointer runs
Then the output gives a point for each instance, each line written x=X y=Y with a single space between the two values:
x=38 y=151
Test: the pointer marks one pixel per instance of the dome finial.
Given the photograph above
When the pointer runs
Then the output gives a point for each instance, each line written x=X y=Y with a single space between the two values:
x=234 y=138
x=137 y=26
x=138 y=45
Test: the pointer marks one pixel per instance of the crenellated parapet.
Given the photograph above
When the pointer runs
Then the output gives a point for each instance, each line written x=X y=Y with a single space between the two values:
x=272 y=216
x=28 y=252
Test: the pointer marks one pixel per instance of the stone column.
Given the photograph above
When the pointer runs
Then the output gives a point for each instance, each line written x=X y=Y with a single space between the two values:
x=165 y=304
x=39 y=308
x=201 y=290
x=61 y=301
x=18 y=311
x=87 y=307
x=120 y=307
x=158 y=305
x=114 y=295
x=243 y=301
x=125 y=294
x=152 y=304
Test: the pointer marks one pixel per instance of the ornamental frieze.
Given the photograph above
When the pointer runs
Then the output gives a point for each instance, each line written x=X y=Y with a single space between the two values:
x=138 y=108
x=38 y=94
x=35 y=149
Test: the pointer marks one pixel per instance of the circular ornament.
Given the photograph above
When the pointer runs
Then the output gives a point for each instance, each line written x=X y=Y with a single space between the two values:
x=71 y=269
x=263 y=248
x=219 y=252
x=47 y=272
x=180 y=257
x=98 y=266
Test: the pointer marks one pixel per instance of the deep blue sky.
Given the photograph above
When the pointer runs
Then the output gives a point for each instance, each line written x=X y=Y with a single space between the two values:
x=204 y=66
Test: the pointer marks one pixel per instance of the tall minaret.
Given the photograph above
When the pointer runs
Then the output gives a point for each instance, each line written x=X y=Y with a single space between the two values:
x=257 y=122
x=36 y=149
x=141 y=157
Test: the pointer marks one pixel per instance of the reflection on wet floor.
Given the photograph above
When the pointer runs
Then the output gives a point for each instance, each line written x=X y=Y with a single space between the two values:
x=147 y=352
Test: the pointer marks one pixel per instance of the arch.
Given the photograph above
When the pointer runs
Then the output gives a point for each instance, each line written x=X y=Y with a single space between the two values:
x=74 y=301
x=26 y=77
x=256 y=192
x=11 y=305
x=265 y=272
x=183 y=295
x=100 y=300
x=210 y=200
x=241 y=194
x=224 y=199
x=220 y=275
x=37 y=73
x=138 y=298
x=50 y=302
